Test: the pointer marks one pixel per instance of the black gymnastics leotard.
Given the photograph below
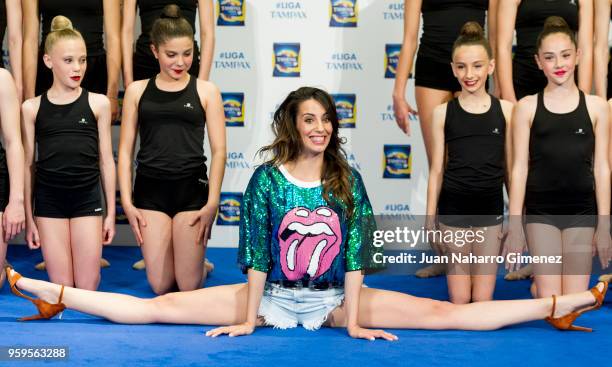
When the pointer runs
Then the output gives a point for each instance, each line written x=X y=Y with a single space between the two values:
x=472 y=189
x=86 y=17
x=530 y=17
x=171 y=172
x=442 y=21
x=560 y=184
x=67 y=170
x=144 y=63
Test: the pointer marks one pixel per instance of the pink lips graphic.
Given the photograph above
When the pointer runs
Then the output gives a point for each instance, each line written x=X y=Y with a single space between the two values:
x=309 y=242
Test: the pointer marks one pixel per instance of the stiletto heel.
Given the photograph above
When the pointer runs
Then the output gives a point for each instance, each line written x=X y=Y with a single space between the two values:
x=46 y=310
x=567 y=322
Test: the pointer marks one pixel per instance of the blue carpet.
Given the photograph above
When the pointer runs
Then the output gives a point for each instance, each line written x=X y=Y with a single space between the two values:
x=93 y=341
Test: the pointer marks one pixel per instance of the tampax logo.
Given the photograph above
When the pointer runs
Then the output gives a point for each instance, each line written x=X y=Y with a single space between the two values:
x=291 y=10
x=231 y=12
x=233 y=107
x=235 y=160
x=352 y=161
x=389 y=115
x=229 y=209
x=346 y=109
x=343 y=13
x=287 y=60
x=397 y=161
x=232 y=60
x=344 y=61
x=392 y=52
x=394 y=11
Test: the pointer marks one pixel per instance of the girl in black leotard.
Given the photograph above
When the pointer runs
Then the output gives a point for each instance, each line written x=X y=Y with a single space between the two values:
x=139 y=62
x=519 y=76
x=174 y=202
x=69 y=128
x=98 y=21
x=470 y=131
x=560 y=171
x=434 y=80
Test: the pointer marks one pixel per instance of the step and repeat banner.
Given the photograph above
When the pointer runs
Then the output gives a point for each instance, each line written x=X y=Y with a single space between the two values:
x=267 y=48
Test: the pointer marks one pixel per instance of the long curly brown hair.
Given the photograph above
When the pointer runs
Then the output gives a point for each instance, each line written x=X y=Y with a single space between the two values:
x=336 y=176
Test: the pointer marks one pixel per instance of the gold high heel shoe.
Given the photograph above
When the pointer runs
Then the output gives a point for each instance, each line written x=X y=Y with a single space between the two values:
x=567 y=322
x=46 y=310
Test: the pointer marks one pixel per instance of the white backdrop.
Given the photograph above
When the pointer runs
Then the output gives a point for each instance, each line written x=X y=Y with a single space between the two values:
x=347 y=47
x=343 y=49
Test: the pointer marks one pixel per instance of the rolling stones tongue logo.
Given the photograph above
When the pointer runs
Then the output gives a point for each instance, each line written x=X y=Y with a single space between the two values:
x=309 y=242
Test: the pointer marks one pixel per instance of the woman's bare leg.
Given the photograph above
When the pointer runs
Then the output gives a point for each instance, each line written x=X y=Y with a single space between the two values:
x=222 y=305
x=458 y=277
x=3 y=246
x=393 y=310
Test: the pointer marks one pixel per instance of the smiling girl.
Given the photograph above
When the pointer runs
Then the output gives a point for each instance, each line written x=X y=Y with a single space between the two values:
x=70 y=128
x=468 y=166
x=560 y=170
x=174 y=203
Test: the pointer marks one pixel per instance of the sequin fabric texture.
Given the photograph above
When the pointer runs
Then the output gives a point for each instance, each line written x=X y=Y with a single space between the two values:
x=289 y=231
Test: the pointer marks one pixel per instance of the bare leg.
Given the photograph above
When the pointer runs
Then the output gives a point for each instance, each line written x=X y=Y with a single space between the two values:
x=222 y=305
x=157 y=251
x=606 y=278
x=3 y=246
x=427 y=99
x=386 y=309
x=86 y=244
x=577 y=259
x=484 y=276
x=55 y=240
x=188 y=267
x=546 y=240
x=458 y=275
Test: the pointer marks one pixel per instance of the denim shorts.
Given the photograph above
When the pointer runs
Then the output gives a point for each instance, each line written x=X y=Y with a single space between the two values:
x=286 y=308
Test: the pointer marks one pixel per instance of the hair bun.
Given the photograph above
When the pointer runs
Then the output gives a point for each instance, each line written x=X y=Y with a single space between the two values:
x=59 y=23
x=471 y=30
x=171 y=11
x=554 y=22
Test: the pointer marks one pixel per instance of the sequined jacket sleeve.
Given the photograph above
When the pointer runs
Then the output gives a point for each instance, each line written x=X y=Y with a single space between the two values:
x=254 y=245
x=361 y=227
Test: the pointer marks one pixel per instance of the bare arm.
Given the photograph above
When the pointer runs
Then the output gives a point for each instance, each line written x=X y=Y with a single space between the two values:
x=436 y=169
x=585 y=44
x=353 y=281
x=107 y=162
x=521 y=126
x=13 y=219
x=256 y=284
x=207 y=37
x=31 y=31
x=601 y=51
x=15 y=43
x=127 y=40
x=127 y=140
x=28 y=114
x=412 y=19
x=507 y=109
x=506 y=19
x=601 y=171
x=112 y=28
x=492 y=36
